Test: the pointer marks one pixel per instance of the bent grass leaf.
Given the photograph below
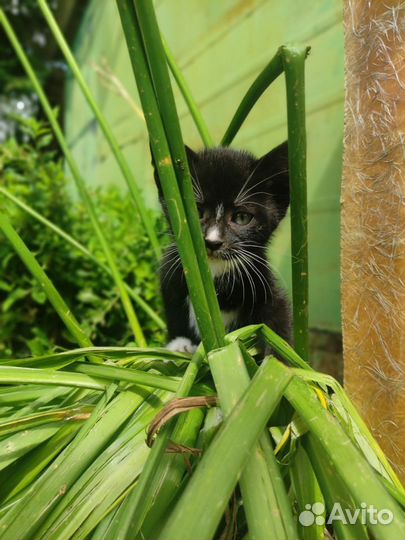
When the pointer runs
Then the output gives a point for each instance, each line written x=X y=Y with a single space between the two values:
x=110 y=353
x=18 y=444
x=55 y=415
x=352 y=467
x=161 y=474
x=263 y=494
x=25 y=517
x=212 y=482
x=106 y=479
x=26 y=470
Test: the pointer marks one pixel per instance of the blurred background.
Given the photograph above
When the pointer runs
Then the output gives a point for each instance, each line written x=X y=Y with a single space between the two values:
x=220 y=47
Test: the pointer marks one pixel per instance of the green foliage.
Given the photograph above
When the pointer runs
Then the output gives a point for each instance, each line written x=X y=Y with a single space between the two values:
x=73 y=457
x=32 y=172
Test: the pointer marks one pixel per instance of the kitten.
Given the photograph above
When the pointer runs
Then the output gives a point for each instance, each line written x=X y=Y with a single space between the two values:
x=241 y=200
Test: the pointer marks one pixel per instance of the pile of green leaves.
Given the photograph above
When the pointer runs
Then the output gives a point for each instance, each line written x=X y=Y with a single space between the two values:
x=34 y=173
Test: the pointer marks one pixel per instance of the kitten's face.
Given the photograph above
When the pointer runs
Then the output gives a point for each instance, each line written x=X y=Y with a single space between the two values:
x=240 y=199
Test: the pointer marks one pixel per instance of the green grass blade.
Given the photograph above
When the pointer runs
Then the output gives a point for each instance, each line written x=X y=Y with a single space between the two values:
x=260 y=491
x=111 y=139
x=159 y=73
x=56 y=394
x=307 y=492
x=282 y=502
x=292 y=61
x=357 y=424
x=294 y=68
x=269 y=74
x=282 y=348
x=19 y=375
x=19 y=444
x=82 y=249
x=212 y=482
x=129 y=375
x=24 y=519
x=355 y=472
x=152 y=480
x=52 y=294
x=171 y=473
x=187 y=96
x=110 y=353
x=80 y=183
x=333 y=490
x=68 y=414
x=19 y=395
x=178 y=218
x=110 y=527
x=106 y=479
x=249 y=335
x=27 y=470
x=153 y=476
x=99 y=494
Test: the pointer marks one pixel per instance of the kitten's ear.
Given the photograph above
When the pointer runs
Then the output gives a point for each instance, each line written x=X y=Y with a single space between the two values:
x=191 y=156
x=192 y=159
x=274 y=166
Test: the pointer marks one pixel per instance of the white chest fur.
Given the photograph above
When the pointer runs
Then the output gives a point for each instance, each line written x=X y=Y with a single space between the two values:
x=219 y=267
x=229 y=318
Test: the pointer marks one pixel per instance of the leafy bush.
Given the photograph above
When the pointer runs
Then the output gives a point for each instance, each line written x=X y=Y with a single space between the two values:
x=32 y=172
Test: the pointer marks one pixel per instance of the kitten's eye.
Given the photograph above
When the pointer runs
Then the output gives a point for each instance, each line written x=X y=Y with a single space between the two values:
x=201 y=211
x=242 y=218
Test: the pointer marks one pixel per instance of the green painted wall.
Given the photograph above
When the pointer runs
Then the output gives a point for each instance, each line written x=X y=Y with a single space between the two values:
x=221 y=45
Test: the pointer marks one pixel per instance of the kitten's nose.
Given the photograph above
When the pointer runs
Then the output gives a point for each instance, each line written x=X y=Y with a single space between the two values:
x=213 y=245
x=213 y=238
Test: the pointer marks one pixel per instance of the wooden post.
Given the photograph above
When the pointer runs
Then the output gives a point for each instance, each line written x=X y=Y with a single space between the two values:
x=373 y=219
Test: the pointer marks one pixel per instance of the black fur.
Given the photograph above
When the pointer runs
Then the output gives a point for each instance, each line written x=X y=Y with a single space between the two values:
x=244 y=188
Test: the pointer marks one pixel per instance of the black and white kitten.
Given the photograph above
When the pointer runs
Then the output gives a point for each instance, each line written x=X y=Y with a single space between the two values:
x=241 y=200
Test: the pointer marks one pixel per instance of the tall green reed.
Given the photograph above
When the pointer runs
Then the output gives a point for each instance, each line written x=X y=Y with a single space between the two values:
x=146 y=52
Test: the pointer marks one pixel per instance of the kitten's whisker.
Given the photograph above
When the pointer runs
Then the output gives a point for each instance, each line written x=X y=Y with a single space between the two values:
x=241 y=279
x=247 y=198
x=169 y=255
x=242 y=195
x=197 y=188
x=248 y=201
x=255 y=256
x=172 y=269
x=228 y=264
x=258 y=273
x=231 y=272
x=250 y=244
x=251 y=267
x=250 y=279
x=247 y=180
x=170 y=261
x=242 y=242
x=171 y=247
